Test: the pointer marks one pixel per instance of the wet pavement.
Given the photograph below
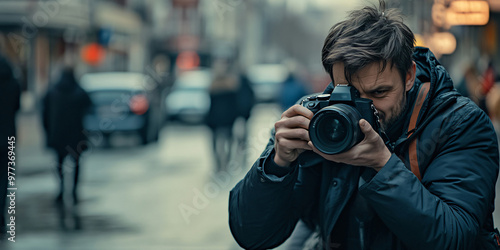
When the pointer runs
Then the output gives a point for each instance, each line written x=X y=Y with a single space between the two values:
x=160 y=196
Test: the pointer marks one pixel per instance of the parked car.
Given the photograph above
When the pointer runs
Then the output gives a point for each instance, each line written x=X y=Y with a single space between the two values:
x=266 y=80
x=189 y=100
x=122 y=104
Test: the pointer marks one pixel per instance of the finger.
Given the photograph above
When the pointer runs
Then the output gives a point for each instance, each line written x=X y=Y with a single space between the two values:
x=298 y=110
x=367 y=129
x=293 y=134
x=314 y=148
x=293 y=122
x=290 y=144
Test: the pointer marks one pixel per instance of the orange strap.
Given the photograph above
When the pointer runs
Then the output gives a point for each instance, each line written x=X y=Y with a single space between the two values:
x=412 y=149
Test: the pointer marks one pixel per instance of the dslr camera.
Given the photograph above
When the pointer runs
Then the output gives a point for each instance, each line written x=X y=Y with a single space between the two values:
x=334 y=127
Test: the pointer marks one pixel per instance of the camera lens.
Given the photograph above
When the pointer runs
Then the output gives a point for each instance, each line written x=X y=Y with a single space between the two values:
x=334 y=129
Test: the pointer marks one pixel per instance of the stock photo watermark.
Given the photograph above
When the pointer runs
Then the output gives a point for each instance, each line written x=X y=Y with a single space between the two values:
x=11 y=189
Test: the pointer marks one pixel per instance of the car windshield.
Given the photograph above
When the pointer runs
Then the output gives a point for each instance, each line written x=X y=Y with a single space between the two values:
x=267 y=74
x=194 y=80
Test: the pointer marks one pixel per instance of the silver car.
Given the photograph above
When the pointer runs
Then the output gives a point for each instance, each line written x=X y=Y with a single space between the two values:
x=266 y=81
x=189 y=100
x=122 y=103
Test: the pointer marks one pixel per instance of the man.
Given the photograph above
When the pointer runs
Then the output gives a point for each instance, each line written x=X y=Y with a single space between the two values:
x=10 y=93
x=64 y=107
x=431 y=187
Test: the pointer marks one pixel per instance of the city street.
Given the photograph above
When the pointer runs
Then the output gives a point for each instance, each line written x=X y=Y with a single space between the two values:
x=161 y=196
x=121 y=66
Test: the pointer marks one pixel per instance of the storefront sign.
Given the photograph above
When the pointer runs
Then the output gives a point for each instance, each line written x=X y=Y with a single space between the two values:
x=461 y=12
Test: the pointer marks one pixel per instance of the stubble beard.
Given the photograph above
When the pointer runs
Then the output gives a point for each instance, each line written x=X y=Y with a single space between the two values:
x=395 y=114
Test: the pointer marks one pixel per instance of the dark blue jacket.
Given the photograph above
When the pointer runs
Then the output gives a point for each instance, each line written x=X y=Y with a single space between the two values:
x=450 y=208
x=63 y=111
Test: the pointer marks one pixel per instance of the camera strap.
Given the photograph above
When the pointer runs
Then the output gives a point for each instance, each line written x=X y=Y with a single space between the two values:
x=387 y=141
x=412 y=149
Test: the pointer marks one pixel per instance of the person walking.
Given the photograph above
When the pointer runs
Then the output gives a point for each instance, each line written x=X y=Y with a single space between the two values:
x=64 y=107
x=222 y=113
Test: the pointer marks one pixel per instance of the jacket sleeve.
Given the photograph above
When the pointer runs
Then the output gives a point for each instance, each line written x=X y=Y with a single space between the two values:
x=45 y=112
x=447 y=209
x=264 y=208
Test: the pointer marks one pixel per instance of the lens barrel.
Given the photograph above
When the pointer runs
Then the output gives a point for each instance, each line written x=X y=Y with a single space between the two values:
x=335 y=129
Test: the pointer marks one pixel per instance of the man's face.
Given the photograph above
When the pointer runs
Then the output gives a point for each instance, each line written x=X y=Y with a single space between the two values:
x=385 y=88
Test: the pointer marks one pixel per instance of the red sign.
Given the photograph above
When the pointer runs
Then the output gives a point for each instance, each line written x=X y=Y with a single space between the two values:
x=93 y=54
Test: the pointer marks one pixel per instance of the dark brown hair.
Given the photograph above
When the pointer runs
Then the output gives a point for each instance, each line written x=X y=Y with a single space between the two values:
x=369 y=35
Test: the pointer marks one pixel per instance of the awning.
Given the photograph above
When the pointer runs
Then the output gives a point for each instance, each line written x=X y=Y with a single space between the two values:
x=108 y=15
x=55 y=14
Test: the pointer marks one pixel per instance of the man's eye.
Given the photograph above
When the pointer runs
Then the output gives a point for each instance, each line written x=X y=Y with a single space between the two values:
x=379 y=92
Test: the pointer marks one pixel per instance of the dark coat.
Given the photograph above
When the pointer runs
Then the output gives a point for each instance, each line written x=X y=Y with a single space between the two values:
x=291 y=90
x=450 y=208
x=10 y=92
x=223 y=109
x=64 y=107
x=245 y=98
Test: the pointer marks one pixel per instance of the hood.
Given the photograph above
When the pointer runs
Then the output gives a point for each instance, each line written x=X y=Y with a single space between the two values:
x=429 y=69
x=441 y=93
x=5 y=69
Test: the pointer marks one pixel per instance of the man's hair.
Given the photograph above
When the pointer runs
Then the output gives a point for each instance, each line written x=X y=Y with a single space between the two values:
x=369 y=35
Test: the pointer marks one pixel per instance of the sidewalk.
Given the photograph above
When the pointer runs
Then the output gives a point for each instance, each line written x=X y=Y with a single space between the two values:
x=32 y=155
x=130 y=196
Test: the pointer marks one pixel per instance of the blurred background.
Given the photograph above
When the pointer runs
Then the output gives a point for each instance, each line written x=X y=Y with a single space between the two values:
x=184 y=94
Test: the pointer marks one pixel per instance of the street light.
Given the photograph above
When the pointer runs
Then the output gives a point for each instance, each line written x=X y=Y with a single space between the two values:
x=443 y=43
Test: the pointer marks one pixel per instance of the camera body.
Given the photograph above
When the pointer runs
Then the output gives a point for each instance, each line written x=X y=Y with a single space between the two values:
x=334 y=127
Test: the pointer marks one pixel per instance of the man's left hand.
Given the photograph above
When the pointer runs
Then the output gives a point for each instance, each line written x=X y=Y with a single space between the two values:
x=370 y=152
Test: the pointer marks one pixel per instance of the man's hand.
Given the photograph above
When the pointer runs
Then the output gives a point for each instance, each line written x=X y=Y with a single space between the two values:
x=292 y=135
x=370 y=152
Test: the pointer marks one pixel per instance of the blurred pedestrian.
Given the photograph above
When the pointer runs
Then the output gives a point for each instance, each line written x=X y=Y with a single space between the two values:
x=64 y=107
x=245 y=101
x=487 y=84
x=292 y=90
x=222 y=113
x=477 y=87
x=10 y=92
x=468 y=86
x=489 y=76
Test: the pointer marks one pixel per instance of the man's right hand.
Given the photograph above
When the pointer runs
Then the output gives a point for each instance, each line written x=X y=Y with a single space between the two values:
x=292 y=135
